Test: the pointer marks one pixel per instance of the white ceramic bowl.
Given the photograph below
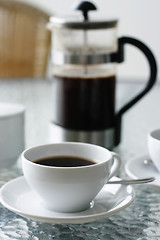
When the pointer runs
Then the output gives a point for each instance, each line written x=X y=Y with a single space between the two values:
x=154 y=147
x=12 y=138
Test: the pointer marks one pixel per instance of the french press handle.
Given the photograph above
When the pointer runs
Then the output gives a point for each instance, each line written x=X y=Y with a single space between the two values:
x=152 y=77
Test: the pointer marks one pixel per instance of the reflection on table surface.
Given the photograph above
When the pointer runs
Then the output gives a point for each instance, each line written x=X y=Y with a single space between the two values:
x=141 y=219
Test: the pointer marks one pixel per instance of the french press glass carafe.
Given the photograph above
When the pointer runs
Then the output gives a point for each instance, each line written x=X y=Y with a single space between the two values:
x=85 y=53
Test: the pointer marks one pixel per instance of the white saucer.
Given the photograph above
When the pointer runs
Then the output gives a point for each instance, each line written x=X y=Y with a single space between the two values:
x=136 y=168
x=17 y=196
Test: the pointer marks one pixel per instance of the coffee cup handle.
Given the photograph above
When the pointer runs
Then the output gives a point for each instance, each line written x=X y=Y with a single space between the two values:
x=116 y=164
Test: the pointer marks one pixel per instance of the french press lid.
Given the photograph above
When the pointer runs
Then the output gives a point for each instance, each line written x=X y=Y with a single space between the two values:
x=83 y=21
x=83 y=25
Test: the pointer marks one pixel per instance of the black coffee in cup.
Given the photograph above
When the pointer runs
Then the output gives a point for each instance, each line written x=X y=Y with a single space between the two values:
x=64 y=161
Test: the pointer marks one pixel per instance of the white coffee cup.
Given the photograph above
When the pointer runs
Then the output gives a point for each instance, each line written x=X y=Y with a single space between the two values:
x=69 y=189
x=12 y=133
x=154 y=147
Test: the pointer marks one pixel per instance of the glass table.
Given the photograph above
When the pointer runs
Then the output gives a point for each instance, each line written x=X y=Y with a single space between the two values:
x=140 y=220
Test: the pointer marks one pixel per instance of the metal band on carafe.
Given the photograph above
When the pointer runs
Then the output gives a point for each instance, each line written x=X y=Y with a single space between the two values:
x=60 y=58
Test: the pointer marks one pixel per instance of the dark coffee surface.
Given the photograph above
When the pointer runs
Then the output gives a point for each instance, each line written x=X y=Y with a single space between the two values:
x=64 y=161
x=84 y=103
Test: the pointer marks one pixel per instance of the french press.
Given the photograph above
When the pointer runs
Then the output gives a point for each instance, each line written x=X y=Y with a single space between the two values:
x=84 y=55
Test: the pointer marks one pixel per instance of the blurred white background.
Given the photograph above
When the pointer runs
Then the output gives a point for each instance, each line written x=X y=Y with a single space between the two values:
x=137 y=18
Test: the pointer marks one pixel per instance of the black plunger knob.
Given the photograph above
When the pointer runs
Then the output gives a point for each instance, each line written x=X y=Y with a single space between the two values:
x=85 y=7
